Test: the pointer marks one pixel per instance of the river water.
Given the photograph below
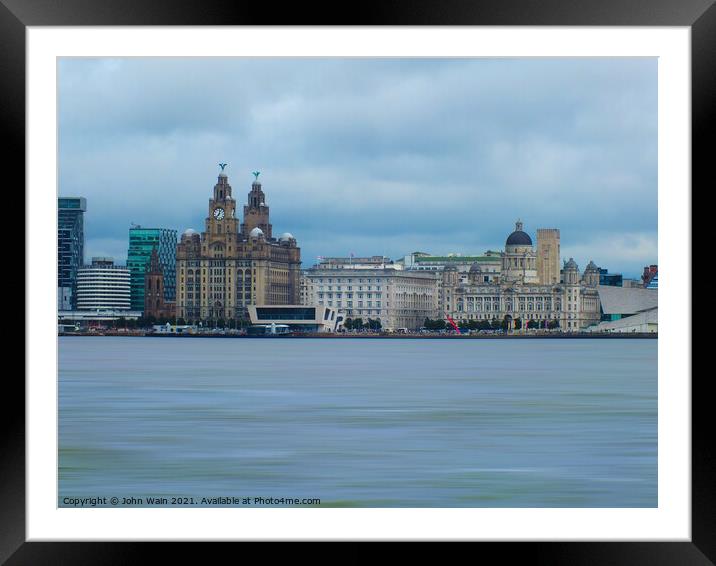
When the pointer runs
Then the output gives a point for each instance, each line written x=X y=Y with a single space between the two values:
x=360 y=423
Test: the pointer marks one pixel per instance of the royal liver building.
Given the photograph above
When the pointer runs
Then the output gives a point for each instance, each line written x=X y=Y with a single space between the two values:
x=230 y=265
x=528 y=289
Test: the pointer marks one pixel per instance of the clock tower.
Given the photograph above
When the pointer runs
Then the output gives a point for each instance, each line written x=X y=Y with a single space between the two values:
x=232 y=265
x=222 y=219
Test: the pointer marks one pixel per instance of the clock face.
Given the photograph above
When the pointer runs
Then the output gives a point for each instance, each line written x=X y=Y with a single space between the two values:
x=219 y=213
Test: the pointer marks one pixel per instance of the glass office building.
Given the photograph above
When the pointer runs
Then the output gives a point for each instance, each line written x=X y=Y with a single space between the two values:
x=610 y=279
x=141 y=243
x=70 y=247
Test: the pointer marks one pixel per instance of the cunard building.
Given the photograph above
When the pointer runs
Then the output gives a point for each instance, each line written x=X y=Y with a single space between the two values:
x=234 y=264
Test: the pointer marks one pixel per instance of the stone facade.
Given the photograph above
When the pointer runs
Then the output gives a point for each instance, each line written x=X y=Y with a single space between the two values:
x=548 y=253
x=398 y=298
x=229 y=266
x=518 y=294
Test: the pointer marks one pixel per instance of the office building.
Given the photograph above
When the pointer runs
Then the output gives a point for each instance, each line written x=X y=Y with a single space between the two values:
x=103 y=286
x=141 y=243
x=70 y=248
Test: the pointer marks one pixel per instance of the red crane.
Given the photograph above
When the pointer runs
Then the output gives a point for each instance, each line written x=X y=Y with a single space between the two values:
x=452 y=323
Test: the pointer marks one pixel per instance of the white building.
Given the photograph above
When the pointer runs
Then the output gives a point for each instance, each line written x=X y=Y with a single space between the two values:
x=103 y=286
x=398 y=298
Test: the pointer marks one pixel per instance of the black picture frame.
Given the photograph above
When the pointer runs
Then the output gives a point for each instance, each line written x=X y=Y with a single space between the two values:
x=17 y=15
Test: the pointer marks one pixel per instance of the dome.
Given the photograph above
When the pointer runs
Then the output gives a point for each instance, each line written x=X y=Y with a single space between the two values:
x=189 y=232
x=285 y=237
x=518 y=237
x=571 y=264
x=256 y=233
x=475 y=268
x=591 y=266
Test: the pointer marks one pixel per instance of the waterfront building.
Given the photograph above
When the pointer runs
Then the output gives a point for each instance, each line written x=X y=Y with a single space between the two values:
x=103 y=286
x=398 y=298
x=227 y=268
x=96 y=317
x=155 y=305
x=622 y=302
x=610 y=279
x=518 y=294
x=142 y=241
x=548 y=254
x=297 y=318
x=70 y=248
x=645 y=322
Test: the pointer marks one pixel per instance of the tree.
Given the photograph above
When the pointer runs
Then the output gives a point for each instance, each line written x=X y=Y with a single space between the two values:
x=181 y=322
x=495 y=324
x=348 y=324
x=553 y=324
x=220 y=323
x=358 y=324
x=532 y=324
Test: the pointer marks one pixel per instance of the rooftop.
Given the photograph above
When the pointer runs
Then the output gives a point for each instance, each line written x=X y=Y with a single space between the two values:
x=627 y=300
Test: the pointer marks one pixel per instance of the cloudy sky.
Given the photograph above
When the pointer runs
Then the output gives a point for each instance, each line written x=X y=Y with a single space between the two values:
x=371 y=156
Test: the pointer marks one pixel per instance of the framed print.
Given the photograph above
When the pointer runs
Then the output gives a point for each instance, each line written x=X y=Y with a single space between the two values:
x=510 y=395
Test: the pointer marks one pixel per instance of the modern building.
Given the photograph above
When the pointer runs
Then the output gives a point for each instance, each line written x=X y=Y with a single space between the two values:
x=399 y=298
x=518 y=294
x=610 y=279
x=548 y=254
x=225 y=269
x=141 y=243
x=70 y=248
x=96 y=317
x=644 y=322
x=297 y=318
x=621 y=302
x=103 y=286
x=155 y=304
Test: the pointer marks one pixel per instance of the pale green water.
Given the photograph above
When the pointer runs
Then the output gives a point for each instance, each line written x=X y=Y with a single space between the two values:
x=367 y=423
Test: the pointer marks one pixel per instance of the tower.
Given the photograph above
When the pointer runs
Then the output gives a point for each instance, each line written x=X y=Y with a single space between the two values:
x=154 y=287
x=222 y=220
x=70 y=248
x=519 y=258
x=256 y=212
x=223 y=270
x=591 y=274
x=548 y=256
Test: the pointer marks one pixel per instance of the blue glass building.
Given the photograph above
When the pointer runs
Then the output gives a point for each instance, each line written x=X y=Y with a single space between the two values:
x=610 y=279
x=70 y=248
x=141 y=243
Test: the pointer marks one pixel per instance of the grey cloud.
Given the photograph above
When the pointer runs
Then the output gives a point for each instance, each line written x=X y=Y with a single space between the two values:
x=430 y=154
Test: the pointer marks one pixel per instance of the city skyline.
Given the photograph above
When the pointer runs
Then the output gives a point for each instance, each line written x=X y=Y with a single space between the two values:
x=371 y=156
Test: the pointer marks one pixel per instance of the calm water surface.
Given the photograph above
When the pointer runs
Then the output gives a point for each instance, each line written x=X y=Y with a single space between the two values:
x=364 y=423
